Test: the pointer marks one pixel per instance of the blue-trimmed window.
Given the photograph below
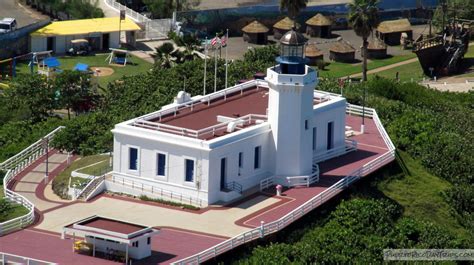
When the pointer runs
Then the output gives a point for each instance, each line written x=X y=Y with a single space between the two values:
x=133 y=158
x=161 y=164
x=189 y=164
x=241 y=159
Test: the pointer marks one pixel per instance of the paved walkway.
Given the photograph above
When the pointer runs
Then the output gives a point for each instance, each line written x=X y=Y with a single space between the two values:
x=183 y=232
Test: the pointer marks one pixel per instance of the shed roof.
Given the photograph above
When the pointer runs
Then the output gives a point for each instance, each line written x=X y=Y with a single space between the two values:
x=285 y=24
x=341 y=47
x=377 y=44
x=319 y=20
x=255 y=27
x=86 y=26
x=391 y=26
x=312 y=50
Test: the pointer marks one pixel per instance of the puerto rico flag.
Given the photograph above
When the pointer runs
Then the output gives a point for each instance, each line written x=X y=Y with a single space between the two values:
x=224 y=41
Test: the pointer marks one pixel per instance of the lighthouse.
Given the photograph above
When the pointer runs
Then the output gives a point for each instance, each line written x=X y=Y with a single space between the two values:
x=290 y=107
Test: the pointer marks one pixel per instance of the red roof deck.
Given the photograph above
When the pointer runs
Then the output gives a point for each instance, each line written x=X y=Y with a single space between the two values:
x=199 y=119
x=112 y=225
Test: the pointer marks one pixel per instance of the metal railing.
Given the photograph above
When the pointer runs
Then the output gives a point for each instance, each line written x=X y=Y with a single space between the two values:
x=7 y=258
x=304 y=180
x=234 y=186
x=85 y=193
x=202 y=133
x=267 y=183
x=272 y=227
x=15 y=165
x=154 y=191
x=137 y=17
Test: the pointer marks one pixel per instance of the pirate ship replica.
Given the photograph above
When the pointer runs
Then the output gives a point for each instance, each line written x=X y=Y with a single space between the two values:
x=442 y=54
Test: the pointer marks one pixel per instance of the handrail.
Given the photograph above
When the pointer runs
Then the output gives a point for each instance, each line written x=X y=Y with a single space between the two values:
x=91 y=185
x=295 y=214
x=155 y=191
x=15 y=165
x=4 y=258
x=235 y=186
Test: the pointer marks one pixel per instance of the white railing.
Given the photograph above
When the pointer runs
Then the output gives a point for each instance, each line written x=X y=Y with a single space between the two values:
x=154 y=191
x=349 y=146
x=272 y=227
x=90 y=187
x=267 y=183
x=304 y=180
x=358 y=110
x=202 y=133
x=15 y=165
x=137 y=17
x=7 y=258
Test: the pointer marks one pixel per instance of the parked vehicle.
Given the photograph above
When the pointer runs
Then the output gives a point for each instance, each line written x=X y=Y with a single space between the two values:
x=79 y=47
x=7 y=25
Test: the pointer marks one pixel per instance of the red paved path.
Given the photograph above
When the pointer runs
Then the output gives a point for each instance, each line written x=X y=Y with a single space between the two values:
x=371 y=145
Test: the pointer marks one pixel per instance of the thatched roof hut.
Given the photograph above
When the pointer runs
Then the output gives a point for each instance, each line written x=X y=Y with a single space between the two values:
x=377 y=49
x=313 y=54
x=319 y=26
x=282 y=26
x=390 y=31
x=255 y=32
x=342 y=51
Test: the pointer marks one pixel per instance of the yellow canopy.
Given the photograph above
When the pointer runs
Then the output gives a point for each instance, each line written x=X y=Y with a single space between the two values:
x=86 y=26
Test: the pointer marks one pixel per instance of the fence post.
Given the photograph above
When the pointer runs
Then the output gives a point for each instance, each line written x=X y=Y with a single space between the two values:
x=262 y=229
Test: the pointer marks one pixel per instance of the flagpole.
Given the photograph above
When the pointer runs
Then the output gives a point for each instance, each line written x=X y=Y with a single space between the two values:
x=205 y=68
x=215 y=68
x=226 y=44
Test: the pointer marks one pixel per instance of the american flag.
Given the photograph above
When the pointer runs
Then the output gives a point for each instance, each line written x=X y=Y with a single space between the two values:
x=215 y=41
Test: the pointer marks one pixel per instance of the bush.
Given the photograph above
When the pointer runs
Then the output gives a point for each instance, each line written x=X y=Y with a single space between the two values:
x=171 y=203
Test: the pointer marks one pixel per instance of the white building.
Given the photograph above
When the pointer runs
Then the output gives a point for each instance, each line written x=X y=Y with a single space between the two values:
x=101 y=33
x=214 y=147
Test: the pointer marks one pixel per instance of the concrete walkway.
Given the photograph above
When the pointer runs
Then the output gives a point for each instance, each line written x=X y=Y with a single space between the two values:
x=29 y=184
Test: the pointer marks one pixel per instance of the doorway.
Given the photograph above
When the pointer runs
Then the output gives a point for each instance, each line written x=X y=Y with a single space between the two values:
x=50 y=43
x=105 y=41
x=223 y=172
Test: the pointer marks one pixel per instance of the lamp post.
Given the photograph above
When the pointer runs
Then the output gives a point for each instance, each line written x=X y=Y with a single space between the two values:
x=45 y=145
x=362 y=127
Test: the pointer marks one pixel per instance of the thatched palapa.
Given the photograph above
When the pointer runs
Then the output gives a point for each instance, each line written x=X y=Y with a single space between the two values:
x=390 y=31
x=282 y=27
x=377 y=49
x=342 y=51
x=319 y=26
x=313 y=54
x=255 y=32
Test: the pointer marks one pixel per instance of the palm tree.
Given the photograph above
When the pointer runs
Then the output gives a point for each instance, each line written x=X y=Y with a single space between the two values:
x=293 y=7
x=364 y=18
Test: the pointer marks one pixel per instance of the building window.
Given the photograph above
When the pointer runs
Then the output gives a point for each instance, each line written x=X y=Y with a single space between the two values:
x=161 y=164
x=241 y=159
x=306 y=124
x=133 y=158
x=314 y=138
x=330 y=143
x=148 y=240
x=135 y=244
x=189 y=164
x=256 y=160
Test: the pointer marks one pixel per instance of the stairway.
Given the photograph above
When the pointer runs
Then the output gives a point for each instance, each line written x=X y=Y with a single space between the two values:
x=91 y=187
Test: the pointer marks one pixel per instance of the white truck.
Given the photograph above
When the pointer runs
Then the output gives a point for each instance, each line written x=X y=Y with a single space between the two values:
x=7 y=25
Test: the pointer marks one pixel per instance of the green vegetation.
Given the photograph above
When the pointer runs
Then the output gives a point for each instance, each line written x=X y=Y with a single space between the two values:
x=406 y=72
x=337 y=70
x=75 y=9
x=61 y=182
x=134 y=66
x=10 y=210
x=421 y=195
x=97 y=169
x=170 y=203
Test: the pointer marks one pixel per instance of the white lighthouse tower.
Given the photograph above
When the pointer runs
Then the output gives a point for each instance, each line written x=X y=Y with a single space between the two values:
x=290 y=107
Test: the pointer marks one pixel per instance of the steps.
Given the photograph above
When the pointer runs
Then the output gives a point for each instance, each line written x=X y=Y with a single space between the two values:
x=91 y=188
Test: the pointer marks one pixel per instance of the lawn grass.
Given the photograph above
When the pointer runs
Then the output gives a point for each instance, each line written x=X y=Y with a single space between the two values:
x=17 y=210
x=421 y=195
x=406 y=72
x=97 y=169
x=61 y=182
x=136 y=66
x=337 y=70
